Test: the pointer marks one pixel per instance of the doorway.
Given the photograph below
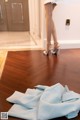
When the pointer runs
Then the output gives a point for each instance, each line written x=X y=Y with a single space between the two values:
x=14 y=15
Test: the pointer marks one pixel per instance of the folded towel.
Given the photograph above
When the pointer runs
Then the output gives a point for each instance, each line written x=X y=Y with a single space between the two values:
x=45 y=103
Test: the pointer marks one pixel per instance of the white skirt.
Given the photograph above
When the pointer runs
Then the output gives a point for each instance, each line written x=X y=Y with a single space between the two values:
x=51 y=1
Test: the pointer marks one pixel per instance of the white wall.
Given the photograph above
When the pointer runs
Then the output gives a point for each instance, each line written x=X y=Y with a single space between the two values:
x=68 y=37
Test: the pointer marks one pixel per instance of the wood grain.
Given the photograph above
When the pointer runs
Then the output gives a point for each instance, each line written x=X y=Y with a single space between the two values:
x=25 y=69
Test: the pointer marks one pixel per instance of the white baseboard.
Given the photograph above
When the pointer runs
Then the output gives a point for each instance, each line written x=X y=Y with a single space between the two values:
x=67 y=44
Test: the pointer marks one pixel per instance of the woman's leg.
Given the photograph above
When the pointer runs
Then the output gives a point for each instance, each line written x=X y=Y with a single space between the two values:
x=50 y=27
x=54 y=30
x=48 y=11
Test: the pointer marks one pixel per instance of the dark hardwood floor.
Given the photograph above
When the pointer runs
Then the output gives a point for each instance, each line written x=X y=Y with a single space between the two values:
x=25 y=69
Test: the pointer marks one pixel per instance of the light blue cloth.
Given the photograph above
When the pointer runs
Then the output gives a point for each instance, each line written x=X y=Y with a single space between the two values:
x=45 y=103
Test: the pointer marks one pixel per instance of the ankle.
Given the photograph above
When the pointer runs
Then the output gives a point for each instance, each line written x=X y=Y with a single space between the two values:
x=56 y=45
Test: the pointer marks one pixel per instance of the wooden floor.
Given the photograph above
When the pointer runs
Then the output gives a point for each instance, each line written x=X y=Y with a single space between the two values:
x=25 y=69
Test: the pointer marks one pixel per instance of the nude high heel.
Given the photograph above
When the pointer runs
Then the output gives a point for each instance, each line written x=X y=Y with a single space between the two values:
x=55 y=50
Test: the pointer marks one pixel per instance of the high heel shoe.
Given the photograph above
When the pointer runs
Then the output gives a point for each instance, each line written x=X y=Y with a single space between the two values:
x=45 y=52
x=55 y=51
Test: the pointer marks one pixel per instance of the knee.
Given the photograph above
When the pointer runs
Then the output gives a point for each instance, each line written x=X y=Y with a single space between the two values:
x=49 y=16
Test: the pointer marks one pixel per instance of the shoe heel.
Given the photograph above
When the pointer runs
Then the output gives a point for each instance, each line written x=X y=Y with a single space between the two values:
x=58 y=51
x=55 y=51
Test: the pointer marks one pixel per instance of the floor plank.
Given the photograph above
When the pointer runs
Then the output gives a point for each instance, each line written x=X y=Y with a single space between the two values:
x=25 y=69
x=3 y=55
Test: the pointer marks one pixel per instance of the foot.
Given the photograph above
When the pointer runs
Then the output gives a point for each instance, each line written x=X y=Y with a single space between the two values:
x=45 y=52
x=55 y=51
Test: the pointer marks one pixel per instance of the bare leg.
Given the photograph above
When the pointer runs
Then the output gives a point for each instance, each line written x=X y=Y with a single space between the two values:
x=50 y=28
x=54 y=31
x=48 y=10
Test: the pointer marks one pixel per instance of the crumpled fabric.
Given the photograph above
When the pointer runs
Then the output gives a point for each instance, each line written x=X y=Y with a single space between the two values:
x=45 y=102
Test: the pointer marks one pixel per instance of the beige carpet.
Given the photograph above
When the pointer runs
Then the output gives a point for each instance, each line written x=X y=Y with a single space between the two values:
x=3 y=55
